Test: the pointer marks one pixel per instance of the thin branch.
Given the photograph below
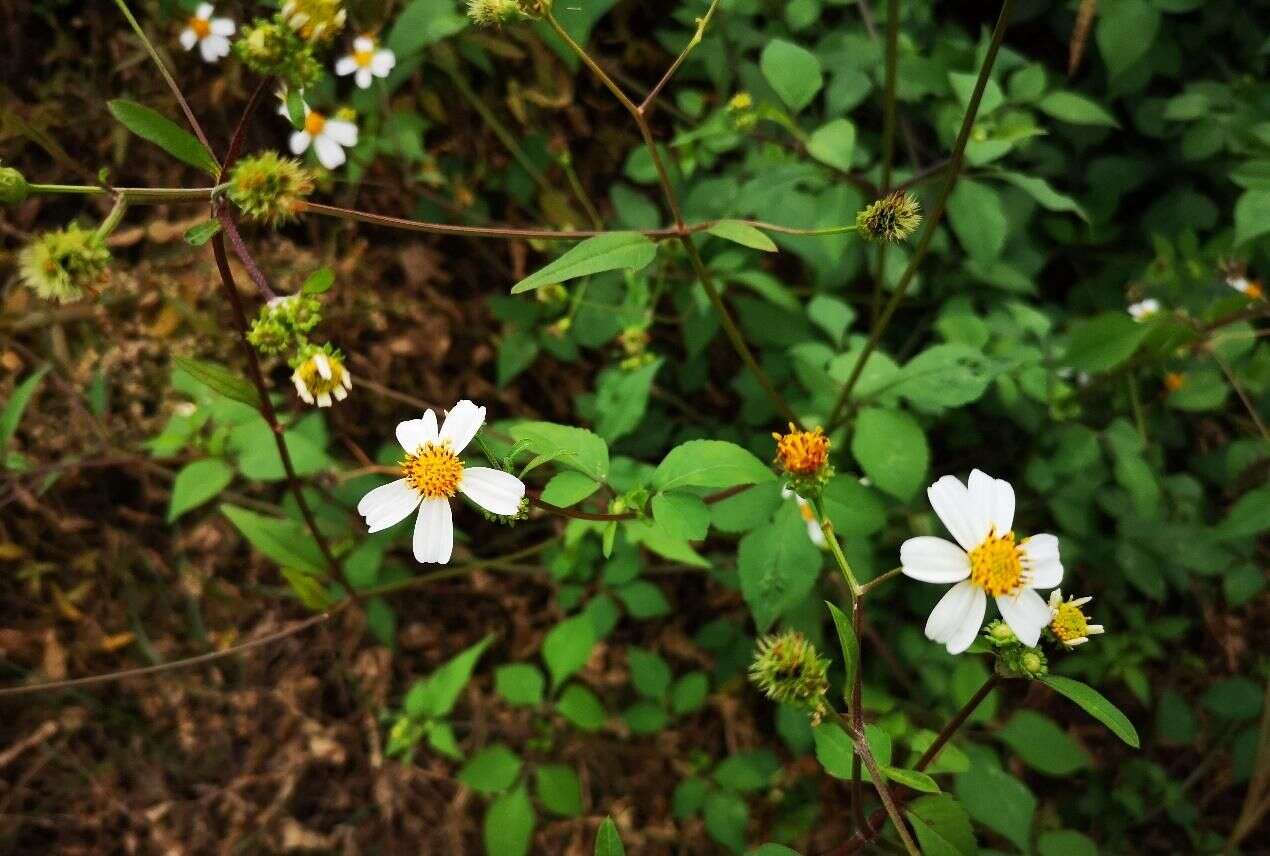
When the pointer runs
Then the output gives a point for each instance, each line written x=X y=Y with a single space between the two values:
x=937 y=214
x=1239 y=391
x=647 y=104
x=230 y=227
x=889 y=804
x=888 y=138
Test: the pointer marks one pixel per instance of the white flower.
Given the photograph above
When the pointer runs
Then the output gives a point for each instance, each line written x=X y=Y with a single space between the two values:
x=980 y=517
x=329 y=137
x=210 y=34
x=814 y=531
x=432 y=474
x=365 y=62
x=1144 y=309
x=320 y=377
x=1247 y=287
x=1068 y=621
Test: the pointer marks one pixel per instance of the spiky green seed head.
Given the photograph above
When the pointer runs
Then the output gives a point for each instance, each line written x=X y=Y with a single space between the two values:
x=492 y=13
x=787 y=669
x=63 y=264
x=268 y=188
x=892 y=218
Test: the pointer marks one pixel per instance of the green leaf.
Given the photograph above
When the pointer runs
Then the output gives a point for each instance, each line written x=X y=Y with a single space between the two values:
x=743 y=234
x=645 y=717
x=689 y=693
x=437 y=694
x=849 y=644
x=772 y=850
x=607 y=841
x=792 y=71
x=853 y=508
x=834 y=144
x=621 y=398
x=1096 y=705
x=682 y=515
x=424 y=22
x=978 y=218
x=1043 y=745
x=1046 y=196
x=1065 y=842
x=197 y=236
x=1252 y=215
x=568 y=488
x=491 y=770
x=649 y=673
x=834 y=749
x=559 y=790
x=709 y=464
x=746 y=772
x=509 y=824
x=574 y=447
x=196 y=483
x=998 y=801
x=963 y=86
x=520 y=684
x=310 y=590
x=1126 y=30
x=942 y=826
x=17 y=404
x=567 y=647
x=949 y=375
x=891 y=449
x=914 y=779
x=220 y=380
x=726 y=815
x=581 y=707
x=643 y=599
x=1104 y=341
x=1076 y=110
x=610 y=251
x=778 y=566
x=164 y=133
x=319 y=282
x=284 y=541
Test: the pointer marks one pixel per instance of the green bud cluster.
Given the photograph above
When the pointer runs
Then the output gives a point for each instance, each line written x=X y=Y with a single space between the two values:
x=522 y=513
x=1014 y=659
x=492 y=13
x=741 y=111
x=267 y=187
x=788 y=670
x=13 y=186
x=61 y=265
x=284 y=324
x=272 y=48
x=892 y=218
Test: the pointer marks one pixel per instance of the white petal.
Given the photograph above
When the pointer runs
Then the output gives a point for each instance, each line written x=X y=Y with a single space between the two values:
x=461 y=424
x=934 y=560
x=300 y=142
x=996 y=499
x=209 y=48
x=223 y=27
x=363 y=44
x=816 y=534
x=344 y=133
x=434 y=532
x=363 y=78
x=387 y=505
x=1026 y=613
x=958 y=614
x=413 y=433
x=329 y=153
x=189 y=38
x=494 y=490
x=204 y=11
x=383 y=62
x=1040 y=553
x=951 y=501
x=323 y=366
x=324 y=399
x=345 y=65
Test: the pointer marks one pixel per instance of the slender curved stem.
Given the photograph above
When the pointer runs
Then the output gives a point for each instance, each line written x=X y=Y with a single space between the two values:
x=888 y=137
x=133 y=194
x=937 y=214
x=865 y=753
x=865 y=588
x=702 y=23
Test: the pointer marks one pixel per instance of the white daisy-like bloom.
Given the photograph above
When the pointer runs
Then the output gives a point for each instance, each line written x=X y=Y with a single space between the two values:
x=329 y=137
x=210 y=34
x=1144 y=309
x=432 y=475
x=980 y=516
x=814 y=531
x=321 y=379
x=366 y=62
x=1068 y=621
x=1247 y=287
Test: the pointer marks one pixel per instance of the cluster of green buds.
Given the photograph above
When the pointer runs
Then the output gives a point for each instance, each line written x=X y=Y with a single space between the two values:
x=741 y=111
x=787 y=669
x=1014 y=659
x=268 y=188
x=493 y=13
x=13 y=186
x=284 y=324
x=272 y=48
x=64 y=264
x=892 y=218
x=634 y=341
x=315 y=20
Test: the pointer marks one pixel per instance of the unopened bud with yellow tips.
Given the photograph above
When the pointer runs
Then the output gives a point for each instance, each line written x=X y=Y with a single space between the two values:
x=320 y=376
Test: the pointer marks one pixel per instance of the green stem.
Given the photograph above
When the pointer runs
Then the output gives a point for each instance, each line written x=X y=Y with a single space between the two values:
x=831 y=538
x=702 y=23
x=878 y=581
x=888 y=137
x=112 y=219
x=142 y=195
x=865 y=754
x=954 y=171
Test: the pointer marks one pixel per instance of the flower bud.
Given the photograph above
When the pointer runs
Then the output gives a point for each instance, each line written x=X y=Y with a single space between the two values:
x=283 y=323
x=1033 y=663
x=1068 y=623
x=315 y=20
x=267 y=188
x=741 y=111
x=273 y=49
x=13 y=186
x=892 y=218
x=61 y=265
x=1001 y=635
x=320 y=375
x=787 y=669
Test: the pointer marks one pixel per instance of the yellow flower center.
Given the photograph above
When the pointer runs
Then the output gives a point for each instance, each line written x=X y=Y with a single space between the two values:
x=1253 y=290
x=363 y=58
x=1173 y=381
x=314 y=123
x=1069 y=622
x=433 y=470
x=200 y=27
x=803 y=453
x=315 y=383
x=996 y=565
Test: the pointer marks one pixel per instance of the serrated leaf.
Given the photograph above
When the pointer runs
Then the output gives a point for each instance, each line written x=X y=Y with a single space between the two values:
x=914 y=779
x=1104 y=341
x=610 y=251
x=509 y=824
x=577 y=448
x=1096 y=705
x=567 y=647
x=568 y=488
x=891 y=448
x=220 y=380
x=709 y=464
x=164 y=133
x=743 y=234
x=777 y=565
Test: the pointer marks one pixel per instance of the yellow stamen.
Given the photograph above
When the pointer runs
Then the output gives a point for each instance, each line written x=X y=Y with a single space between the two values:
x=1069 y=623
x=363 y=58
x=200 y=27
x=1173 y=381
x=996 y=565
x=314 y=123
x=803 y=453
x=1253 y=291
x=433 y=470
